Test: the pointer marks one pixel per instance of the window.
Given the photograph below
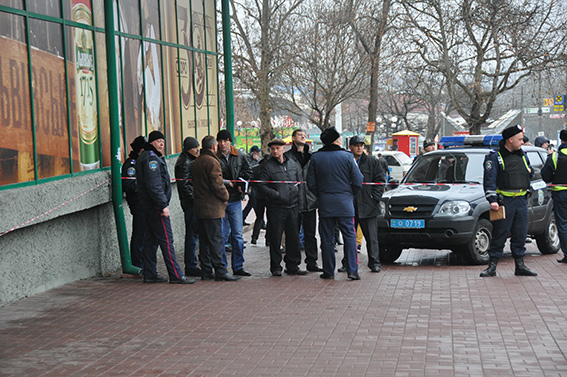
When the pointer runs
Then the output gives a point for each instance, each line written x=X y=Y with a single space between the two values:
x=54 y=91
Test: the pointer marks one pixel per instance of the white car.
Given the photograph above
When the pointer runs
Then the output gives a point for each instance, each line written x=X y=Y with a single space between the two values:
x=399 y=163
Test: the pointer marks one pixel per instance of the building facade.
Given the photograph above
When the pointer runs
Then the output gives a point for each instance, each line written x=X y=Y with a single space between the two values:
x=58 y=223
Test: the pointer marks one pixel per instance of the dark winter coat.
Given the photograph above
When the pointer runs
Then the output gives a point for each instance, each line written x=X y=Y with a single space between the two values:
x=130 y=183
x=366 y=202
x=282 y=195
x=154 y=182
x=183 y=174
x=302 y=158
x=334 y=177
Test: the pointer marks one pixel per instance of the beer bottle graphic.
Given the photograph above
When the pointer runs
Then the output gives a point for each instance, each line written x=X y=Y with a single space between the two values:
x=85 y=84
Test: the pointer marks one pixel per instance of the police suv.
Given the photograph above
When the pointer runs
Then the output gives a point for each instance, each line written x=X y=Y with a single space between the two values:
x=440 y=203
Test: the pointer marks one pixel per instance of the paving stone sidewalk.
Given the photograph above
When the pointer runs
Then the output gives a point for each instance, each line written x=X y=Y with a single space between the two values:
x=428 y=315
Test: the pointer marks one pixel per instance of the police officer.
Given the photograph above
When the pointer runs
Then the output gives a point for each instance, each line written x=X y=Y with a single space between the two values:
x=555 y=171
x=130 y=188
x=154 y=189
x=507 y=174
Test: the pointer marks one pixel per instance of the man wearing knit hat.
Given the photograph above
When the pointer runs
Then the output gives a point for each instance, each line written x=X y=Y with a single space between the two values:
x=234 y=166
x=335 y=179
x=185 y=190
x=154 y=188
x=555 y=171
x=507 y=174
x=130 y=188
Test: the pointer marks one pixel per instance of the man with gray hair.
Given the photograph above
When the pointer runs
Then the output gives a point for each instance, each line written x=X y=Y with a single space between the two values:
x=210 y=201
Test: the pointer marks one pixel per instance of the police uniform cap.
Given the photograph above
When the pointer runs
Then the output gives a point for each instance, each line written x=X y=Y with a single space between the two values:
x=155 y=135
x=511 y=131
x=138 y=144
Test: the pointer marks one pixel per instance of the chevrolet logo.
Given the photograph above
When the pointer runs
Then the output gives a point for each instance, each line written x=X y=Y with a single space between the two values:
x=410 y=209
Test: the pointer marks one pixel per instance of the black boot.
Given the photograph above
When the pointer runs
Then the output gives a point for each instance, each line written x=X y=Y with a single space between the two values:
x=491 y=269
x=521 y=269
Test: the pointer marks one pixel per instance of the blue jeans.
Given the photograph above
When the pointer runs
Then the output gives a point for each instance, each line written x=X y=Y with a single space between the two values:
x=515 y=224
x=233 y=221
x=560 y=210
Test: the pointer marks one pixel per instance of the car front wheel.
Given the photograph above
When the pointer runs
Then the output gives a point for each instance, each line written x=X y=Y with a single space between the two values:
x=476 y=250
x=389 y=253
x=548 y=241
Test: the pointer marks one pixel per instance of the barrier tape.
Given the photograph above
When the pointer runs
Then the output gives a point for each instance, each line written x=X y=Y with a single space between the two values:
x=364 y=183
x=54 y=208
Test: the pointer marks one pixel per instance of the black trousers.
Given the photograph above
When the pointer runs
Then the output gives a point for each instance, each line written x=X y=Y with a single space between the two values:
x=309 y=222
x=139 y=229
x=284 y=220
x=211 y=246
x=259 y=209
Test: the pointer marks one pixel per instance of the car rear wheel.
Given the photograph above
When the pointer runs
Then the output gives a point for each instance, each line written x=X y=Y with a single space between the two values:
x=389 y=253
x=476 y=251
x=548 y=241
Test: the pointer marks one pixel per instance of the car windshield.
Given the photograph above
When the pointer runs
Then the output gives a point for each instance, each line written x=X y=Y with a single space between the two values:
x=447 y=168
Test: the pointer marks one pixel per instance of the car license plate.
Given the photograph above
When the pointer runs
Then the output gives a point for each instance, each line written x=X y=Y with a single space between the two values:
x=407 y=223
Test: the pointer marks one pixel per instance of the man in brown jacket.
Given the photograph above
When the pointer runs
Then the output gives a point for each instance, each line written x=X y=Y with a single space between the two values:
x=210 y=198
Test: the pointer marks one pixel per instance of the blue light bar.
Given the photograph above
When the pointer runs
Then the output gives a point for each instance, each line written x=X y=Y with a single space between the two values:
x=470 y=140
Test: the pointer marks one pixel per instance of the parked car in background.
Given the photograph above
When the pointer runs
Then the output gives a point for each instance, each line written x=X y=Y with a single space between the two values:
x=398 y=162
x=440 y=204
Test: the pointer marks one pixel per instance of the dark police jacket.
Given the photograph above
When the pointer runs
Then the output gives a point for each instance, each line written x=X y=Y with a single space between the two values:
x=367 y=200
x=183 y=174
x=512 y=173
x=557 y=176
x=130 y=184
x=281 y=195
x=302 y=159
x=236 y=167
x=334 y=177
x=154 y=183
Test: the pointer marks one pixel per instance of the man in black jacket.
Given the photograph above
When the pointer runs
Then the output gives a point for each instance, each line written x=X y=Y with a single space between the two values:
x=130 y=188
x=366 y=201
x=234 y=166
x=185 y=189
x=283 y=202
x=154 y=189
x=308 y=215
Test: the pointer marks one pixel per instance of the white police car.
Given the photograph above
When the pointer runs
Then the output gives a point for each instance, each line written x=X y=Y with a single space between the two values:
x=440 y=203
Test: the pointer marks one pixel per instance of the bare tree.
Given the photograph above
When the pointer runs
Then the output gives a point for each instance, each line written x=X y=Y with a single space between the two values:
x=484 y=48
x=370 y=21
x=328 y=67
x=261 y=49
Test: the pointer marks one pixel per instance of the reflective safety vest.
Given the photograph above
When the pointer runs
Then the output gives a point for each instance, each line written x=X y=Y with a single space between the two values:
x=560 y=173
x=514 y=181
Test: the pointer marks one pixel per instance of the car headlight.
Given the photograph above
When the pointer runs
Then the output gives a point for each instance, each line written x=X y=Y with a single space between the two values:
x=382 y=207
x=455 y=207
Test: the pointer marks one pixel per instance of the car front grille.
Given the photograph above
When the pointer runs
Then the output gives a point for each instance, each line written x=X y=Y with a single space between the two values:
x=412 y=207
